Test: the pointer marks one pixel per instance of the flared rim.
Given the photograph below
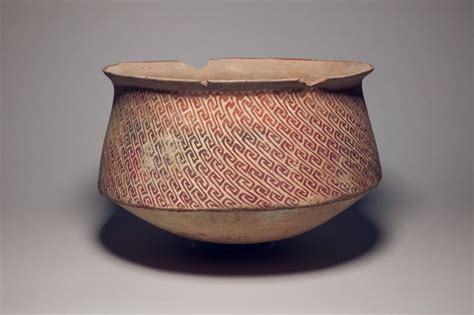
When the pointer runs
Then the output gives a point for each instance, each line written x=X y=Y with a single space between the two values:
x=239 y=73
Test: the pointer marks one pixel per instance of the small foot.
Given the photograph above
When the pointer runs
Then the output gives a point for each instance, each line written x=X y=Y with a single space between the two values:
x=232 y=249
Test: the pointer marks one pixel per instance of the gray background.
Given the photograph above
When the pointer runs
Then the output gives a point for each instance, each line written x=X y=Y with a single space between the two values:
x=407 y=247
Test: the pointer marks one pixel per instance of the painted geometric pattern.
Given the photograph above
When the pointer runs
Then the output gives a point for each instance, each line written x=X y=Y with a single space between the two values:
x=237 y=149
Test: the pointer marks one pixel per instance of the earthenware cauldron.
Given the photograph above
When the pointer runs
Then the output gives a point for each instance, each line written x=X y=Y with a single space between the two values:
x=240 y=151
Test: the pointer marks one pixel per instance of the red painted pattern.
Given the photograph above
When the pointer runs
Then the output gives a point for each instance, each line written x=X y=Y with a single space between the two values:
x=237 y=149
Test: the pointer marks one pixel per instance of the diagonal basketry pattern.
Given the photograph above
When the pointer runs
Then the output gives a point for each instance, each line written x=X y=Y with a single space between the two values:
x=237 y=149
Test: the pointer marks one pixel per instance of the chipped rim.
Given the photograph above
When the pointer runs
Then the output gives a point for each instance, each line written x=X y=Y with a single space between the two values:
x=122 y=78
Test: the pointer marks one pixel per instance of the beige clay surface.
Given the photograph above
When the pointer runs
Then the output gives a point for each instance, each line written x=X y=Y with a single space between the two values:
x=242 y=226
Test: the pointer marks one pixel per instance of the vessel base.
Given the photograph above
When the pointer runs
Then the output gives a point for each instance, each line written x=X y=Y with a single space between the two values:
x=232 y=249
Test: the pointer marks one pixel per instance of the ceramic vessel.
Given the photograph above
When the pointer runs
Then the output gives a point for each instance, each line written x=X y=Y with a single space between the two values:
x=240 y=151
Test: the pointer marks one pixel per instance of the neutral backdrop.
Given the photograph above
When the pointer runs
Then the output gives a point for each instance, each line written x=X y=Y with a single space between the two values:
x=406 y=247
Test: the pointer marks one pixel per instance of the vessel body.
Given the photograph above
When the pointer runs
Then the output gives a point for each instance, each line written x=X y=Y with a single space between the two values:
x=237 y=161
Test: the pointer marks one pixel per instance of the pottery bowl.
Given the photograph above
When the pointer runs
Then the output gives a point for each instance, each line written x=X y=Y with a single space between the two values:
x=240 y=151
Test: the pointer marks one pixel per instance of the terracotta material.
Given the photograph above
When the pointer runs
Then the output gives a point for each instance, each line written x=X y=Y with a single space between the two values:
x=240 y=151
